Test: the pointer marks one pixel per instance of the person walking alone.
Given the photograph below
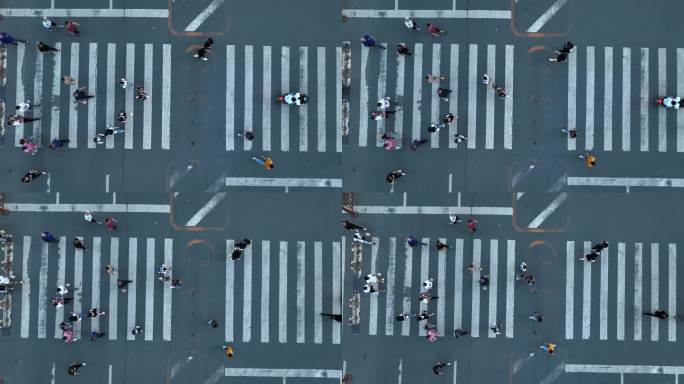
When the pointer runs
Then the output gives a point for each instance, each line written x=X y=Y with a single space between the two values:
x=410 y=24
x=660 y=314
x=369 y=42
x=265 y=161
x=80 y=244
x=403 y=50
x=72 y=27
x=32 y=175
x=206 y=48
x=42 y=47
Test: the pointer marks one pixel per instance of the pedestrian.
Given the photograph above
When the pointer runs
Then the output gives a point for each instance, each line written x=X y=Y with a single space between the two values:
x=658 y=313
x=63 y=289
x=122 y=284
x=73 y=317
x=484 y=282
x=113 y=130
x=136 y=330
x=88 y=216
x=58 y=302
x=334 y=316
x=25 y=106
x=6 y=38
x=237 y=253
x=374 y=278
x=441 y=246
x=417 y=143
x=243 y=244
x=248 y=135
x=265 y=161
x=472 y=225
x=163 y=270
x=123 y=117
x=567 y=47
x=228 y=350
x=110 y=270
x=42 y=47
x=434 y=31
x=449 y=118
x=427 y=284
x=81 y=96
x=523 y=267
x=572 y=133
x=28 y=146
x=443 y=93
x=600 y=246
x=176 y=284
x=384 y=103
x=95 y=313
x=48 y=237
x=348 y=225
x=431 y=333
x=395 y=175
x=206 y=48
x=402 y=316
x=484 y=80
x=426 y=297
x=537 y=317
x=369 y=42
x=454 y=219
x=359 y=238
x=68 y=80
x=433 y=128
x=48 y=24
x=438 y=369
x=57 y=143
x=68 y=336
x=94 y=335
x=80 y=244
x=548 y=347
x=31 y=175
x=15 y=120
x=403 y=50
x=560 y=57
x=496 y=329
x=460 y=333
x=111 y=223
x=424 y=315
x=64 y=326
x=530 y=280
x=500 y=92
x=71 y=27
x=380 y=115
x=474 y=267
x=99 y=138
x=589 y=159
x=140 y=93
x=412 y=242
x=368 y=288
x=410 y=24
x=213 y=324
x=74 y=367
x=434 y=78
x=591 y=256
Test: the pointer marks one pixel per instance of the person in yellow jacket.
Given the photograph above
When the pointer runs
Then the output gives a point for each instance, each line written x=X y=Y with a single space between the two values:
x=228 y=350
x=589 y=159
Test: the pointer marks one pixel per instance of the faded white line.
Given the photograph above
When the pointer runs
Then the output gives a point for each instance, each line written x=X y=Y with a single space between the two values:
x=625 y=182
x=426 y=14
x=92 y=89
x=610 y=368
x=551 y=208
x=272 y=372
x=114 y=208
x=427 y=210
x=589 y=99
x=147 y=106
x=546 y=16
x=230 y=98
x=248 y=116
x=282 y=182
x=204 y=15
x=208 y=207
x=85 y=12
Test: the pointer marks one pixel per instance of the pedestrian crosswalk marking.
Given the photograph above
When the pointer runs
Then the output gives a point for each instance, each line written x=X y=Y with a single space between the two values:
x=458 y=284
x=417 y=94
x=166 y=98
x=320 y=98
x=638 y=288
x=508 y=102
x=672 y=291
x=406 y=304
x=78 y=287
x=475 y=315
x=42 y=291
x=424 y=275
x=247 y=295
x=363 y=100
x=249 y=93
x=680 y=91
x=626 y=95
x=644 y=100
x=61 y=280
x=493 y=276
x=132 y=287
x=337 y=289
x=441 y=290
x=56 y=89
x=167 y=305
x=130 y=94
x=607 y=100
x=603 y=330
x=655 y=256
x=569 y=290
x=489 y=123
x=304 y=109
x=662 y=90
x=282 y=294
x=399 y=90
x=453 y=101
x=230 y=286
x=318 y=291
x=382 y=92
x=96 y=271
x=149 y=289
x=338 y=99
x=472 y=95
x=434 y=99
x=389 y=280
x=92 y=89
x=284 y=109
x=230 y=98
x=572 y=99
x=266 y=99
x=620 y=323
x=73 y=107
x=111 y=86
x=113 y=292
x=586 y=299
x=19 y=129
x=38 y=92
x=301 y=297
x=373 y=322
x=510 y=288
x=265 y=289
x=589 y=106
x=147 y=105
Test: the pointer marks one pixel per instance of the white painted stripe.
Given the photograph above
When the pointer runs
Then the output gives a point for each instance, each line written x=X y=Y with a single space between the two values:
x=267 y=99
x=336 y=290
x=644 y=105
x=638 y=276
x=95 y=288
x=423 y=210
x=458 y=284
x=399 y=90
x=338 y=98
x=680 y=90
x=168 y=293
x=373 y=298
x=25 y=289
x=318 y=292
x=56 y=90
x=113 y=292
x=78 y=287
x=626 y=97
x=19 y=129
x=114 y=208
x=147 y=106
x=389 y=279
x=230 y=285
x=363 y=98
x=230 y=98
x=441 y=290
x=424 y=275
x=38 y=94
x=546 y=16
x=586 y=295
x=417 y=91
x=603 y=301
x=453 y=100
x=608 y=100
x=301 y=291
x=111 y=95
x=493 y=275
x=654 y=369
x=672 y=291
x=42 y=291
x=489 y=117
x=320 y=98
x=247 y=295
x=284 y=88
x=426 y=13
x=284 y=373
x=265 y=289
x=303 y=109
x=655 y=285
x=569 y=289
x=131 y=295
x=382 y=92
x=85 y=12
x=508 y=102
x=510 y=287
x=92 y=89
x=472 y=95
x=166 y=98
x=130 y=95
x=408 y=272
x=282 y=293
x=625 y=182
x=204 y=15
x=620 y=297
x=589 y=105
x=550 y=209
x=206 y=209
x=572 y=99
x=475 y=287
x=248 y=123
x=149 y=289
x=662 y=89
x=61 y=277
x=434 y=99
x=73 y=109
x=282 y=182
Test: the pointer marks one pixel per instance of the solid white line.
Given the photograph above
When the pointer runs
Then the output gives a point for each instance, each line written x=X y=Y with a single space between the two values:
x=489 y=109
x=510 y=287
x=655 y=302
x=569 y=289
x=42 y=291
x=589 y=105
x=168 y=292
x=38 y=94
x=373 y=299
x=230 y=284
x=230 y=98
x=206 y=209
x=78 y=287
x=662 y=89
x=301 y=291
x=586 y=295
x=620 y=297
x=546 y=16
x=417 y=91
x=626 y=95
x=111 y=96
x=424 y=210
x=149 y=289
x=131 y=295
x=282 y=293
x=318 y=292
x=247 y=295
x=680 y=90
x=85 y=13
x=166 y=98
x=61 y=276
x=338 y=99
x=441 y=290
x=426 y=14
x=92 y=89
x=475 y=288
x=458 y=284
x=672 y=291
x=19 y=129
x=336 y=289
x=608 y=100
x=282 y=182
x=284 y=88
x=493 y=275
x=638 y=276
x=95 y=288
x=408 y=272
x=382 y=92
x=472 y=96
x=266 y=99
x=303 y=109
x=644 y=104
x=130 y=96
x=283 y=373
x=320 y=98
x=110 y=366
x=147 y=107
x=389 y=287
x=640 y=369
x=508 y=102
x=363 y=98
x=265 y=289
x=114 y=208
x=424 y=275
x=73 y=109
x=551 y=208
x=113 y=291
x=204 y=15
x=453 y=85
x=216 y=376
x=572 y=99
x=603 y=300
x=25 y=289
x=56 y=90
x=399 y=90
x=248 y=119
x=455 y=363
x=434 y=99
x=625 y=182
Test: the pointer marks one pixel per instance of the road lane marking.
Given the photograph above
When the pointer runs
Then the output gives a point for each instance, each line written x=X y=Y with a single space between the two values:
x=638 y=276
x=441 y=289
x=38 y=95
x=546 y=16
x=204 y=15
x=406 y=304
x=458 y=284
x=434 y=99
x=56 y=90
x=382 y=92
x=265 y=289
x=426 y=14
x=603 y=301
x=644 y=104
x=92 y=89
x=85 y=12
x=550 y=209
x=266 y=98
x=149 y=289
x=489 y=108
x=114 y=208
x=168 y=292
x=73 y=109
x=510 y=287
x=569 y=289
x=424 y=275
x=130 y=95
x=111 y=95
x=620 y=297
x=493 y=275
x=206 y=209
x=472 y=96
x=589 y=100
x=230 y=284
x=672 y=291
x=113 y=291
x=320 y=98
x=301 y=291
x=475 y=288
x=662 y=90
x=453 y=101
x=572 y=99
x=608 y=100
x=303 y=109
x=230 y=98
x=586 y=295
x=284 y=109
x=318 y=292
x=282 y=293
x=626 y=97
x=132 y=287
x=19 y=129
x=389 y=295
x=417 y=91
x=247 y=295
x=655 y=285
x=42 y=290
x=147 y=106
x=61 y=278
x=95 y=288
x=508 y=102
x=399 y=90
x=337 y=290
x=248 y=123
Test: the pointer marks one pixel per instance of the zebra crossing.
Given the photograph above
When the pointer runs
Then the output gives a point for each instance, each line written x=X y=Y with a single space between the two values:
x=148 y=128
x=621 y=79
x=486 y=121
x=43 y=267
x=630 y=282
x=307 y=280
